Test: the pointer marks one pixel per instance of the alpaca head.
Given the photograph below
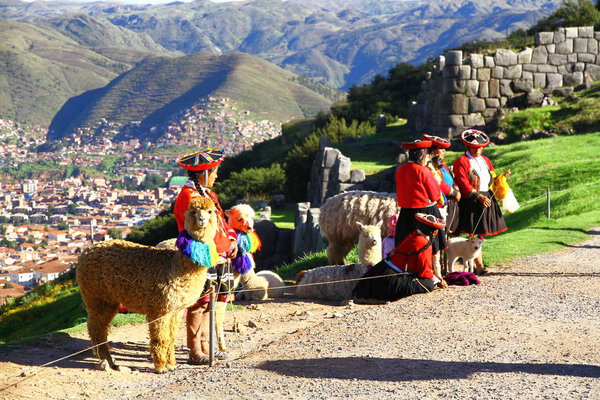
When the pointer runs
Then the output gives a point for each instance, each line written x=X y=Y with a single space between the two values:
x=369 y=235
x=201 y=219
x=241 y=218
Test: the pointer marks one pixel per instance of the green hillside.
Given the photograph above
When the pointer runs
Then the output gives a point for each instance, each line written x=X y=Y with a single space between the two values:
x=158 y=87
x=40 y=68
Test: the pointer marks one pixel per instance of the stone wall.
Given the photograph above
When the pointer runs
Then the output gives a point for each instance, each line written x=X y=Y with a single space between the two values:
x=460 y=94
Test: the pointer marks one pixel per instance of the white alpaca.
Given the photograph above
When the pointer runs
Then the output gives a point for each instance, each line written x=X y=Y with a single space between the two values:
x=369 y=253
x=256 y=286
x=467 y=249
x=340 y=213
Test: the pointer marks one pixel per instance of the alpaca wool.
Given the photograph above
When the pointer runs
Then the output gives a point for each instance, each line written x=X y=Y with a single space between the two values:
x=247 y=243
x=200 y=253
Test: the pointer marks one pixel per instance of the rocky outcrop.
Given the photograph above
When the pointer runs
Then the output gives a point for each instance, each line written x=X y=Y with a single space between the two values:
x=460 y=94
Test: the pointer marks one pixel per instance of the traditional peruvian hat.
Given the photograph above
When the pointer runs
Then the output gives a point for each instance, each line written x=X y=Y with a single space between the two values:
x=474 y=138
x=417 y=144
x=430 y=220
x=201 y=160
x=436 y=141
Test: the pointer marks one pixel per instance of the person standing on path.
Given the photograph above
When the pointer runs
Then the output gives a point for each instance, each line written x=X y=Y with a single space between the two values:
x=479 y=213
x=202 y=169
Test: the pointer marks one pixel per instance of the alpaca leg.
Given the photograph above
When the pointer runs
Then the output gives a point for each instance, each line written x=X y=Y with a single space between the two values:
x=220 y=308
x=336 y=251
x=100 y=314
x=451 y=260
x=159 y=330
x=174 y=327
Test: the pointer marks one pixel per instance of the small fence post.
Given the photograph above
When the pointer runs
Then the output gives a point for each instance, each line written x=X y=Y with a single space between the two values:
x=211 y=319
x=548 y=202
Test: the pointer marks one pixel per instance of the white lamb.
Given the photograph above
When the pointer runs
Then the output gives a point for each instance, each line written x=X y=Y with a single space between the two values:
x=467 y=249
x=369 y=253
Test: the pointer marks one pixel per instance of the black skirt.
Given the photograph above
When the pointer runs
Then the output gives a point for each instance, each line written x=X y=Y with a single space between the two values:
x=476 y=219
x=387 y=284
x=407 y=224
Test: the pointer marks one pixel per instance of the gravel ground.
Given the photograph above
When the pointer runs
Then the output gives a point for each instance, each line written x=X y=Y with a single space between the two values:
x=531 y=330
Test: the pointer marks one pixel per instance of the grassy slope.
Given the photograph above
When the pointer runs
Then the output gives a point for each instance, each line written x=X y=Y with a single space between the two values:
x=158 y=87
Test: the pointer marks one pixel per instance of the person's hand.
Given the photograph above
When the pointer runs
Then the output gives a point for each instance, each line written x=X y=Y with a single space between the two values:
x=506 y=173
x=457 y=196
x=484 y=200
x=442 y=284
x=232 y=252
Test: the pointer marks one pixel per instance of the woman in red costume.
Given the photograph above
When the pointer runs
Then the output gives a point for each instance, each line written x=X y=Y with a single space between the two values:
x=202 y=172
x=479 y=212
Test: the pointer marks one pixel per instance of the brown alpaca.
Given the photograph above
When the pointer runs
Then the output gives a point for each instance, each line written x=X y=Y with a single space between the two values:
x=158 y=283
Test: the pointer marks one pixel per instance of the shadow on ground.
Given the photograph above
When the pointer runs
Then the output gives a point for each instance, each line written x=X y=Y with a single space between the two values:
x=391 y=369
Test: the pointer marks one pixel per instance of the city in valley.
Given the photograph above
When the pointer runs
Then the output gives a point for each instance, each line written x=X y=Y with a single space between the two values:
x=90 y=188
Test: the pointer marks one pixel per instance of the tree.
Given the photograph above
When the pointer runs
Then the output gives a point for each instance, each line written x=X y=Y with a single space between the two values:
x=63 y=226
x=115 y=233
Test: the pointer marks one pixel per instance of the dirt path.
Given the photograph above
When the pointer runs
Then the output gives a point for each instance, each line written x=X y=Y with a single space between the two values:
x=531 y=330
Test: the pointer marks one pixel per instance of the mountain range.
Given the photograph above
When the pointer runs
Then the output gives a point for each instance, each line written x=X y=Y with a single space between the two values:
x=57 y=54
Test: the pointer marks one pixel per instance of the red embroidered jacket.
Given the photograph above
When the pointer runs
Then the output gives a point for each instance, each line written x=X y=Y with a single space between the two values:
x=465 y=177
x=415 y=186
x=419 y=264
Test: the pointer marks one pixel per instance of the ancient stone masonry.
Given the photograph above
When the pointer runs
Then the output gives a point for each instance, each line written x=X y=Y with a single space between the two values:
x=460 y=94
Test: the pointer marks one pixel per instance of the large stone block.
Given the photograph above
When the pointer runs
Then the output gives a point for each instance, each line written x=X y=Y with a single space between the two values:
x=476 y=104
x=551 y=48
x=522 y=85
x=489 y=62
x=571 y=32
x=454 y=57
x=451 y=71
x=593 y=71
x=505 y=89
x=441 y=63
x=557 y=59
x=535 y=98
x=580 y=45
x=530 y=67
x=503 y=101
x=559 y=36
x=505 y=57
x=539 y=55
x=597 y=35
x=547 y=68
x=513 y=72
x=484 y=74
x=498 y=72
x=476 y=60
x=472 y=88
x=578 y=67
x=586 y=57
x=464 y=72
x=474 y=119
x=592 y=46
x=460 y=104
x=473 y=73
x=494 y=88
x=443 y=104
x=492 y=103
x=454 y=85
x=563 y=70
x=565 y=47
x=330 y=156
x=585 y=31
x=357 y=175
x=554 y=80
x=574 y=79
x=484 y=89
x=524 y=56
x=451 y=120
x=572 y=58
x=539 y=80
x=527 y=75
x=544 y=38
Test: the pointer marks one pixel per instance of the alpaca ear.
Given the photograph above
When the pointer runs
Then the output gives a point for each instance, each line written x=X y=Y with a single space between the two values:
x=379 y=224
x=360 y=225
